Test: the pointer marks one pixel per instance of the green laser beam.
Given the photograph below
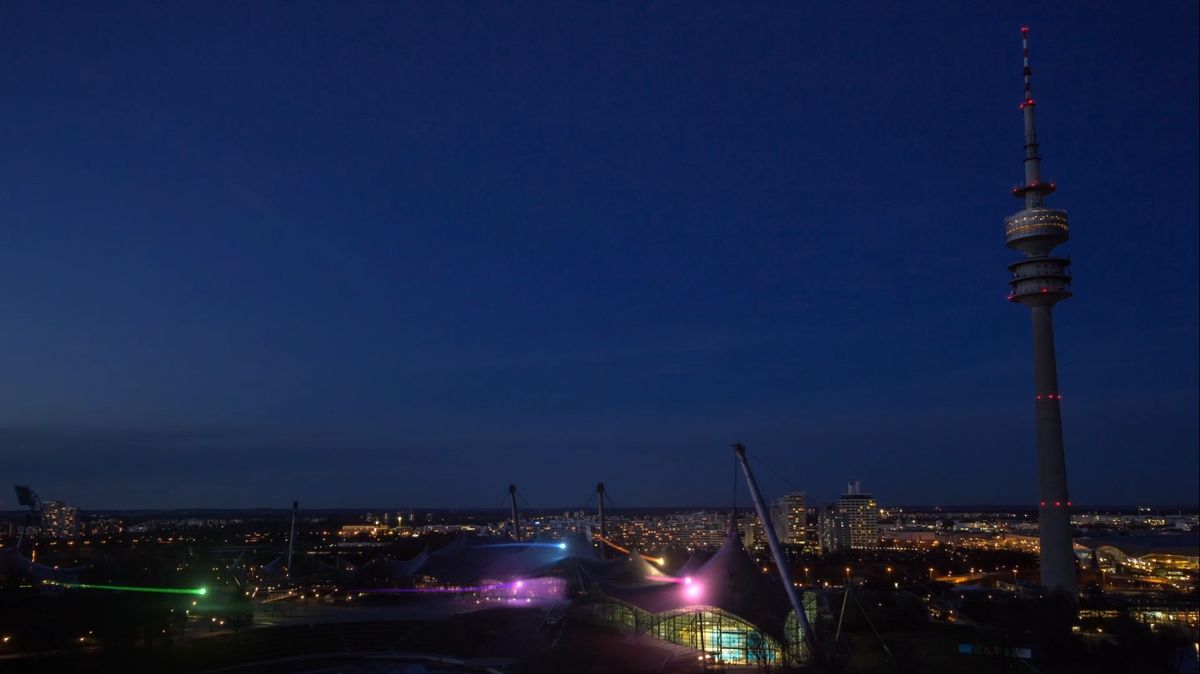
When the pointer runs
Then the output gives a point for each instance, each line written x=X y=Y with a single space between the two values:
x=135 y=588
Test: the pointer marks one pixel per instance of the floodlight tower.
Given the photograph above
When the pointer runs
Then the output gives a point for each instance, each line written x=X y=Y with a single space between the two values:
x=1040 y=281
x=28 y=498
x=516 y=523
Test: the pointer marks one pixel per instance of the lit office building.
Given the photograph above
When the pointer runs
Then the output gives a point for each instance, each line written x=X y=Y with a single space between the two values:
x=791 y=518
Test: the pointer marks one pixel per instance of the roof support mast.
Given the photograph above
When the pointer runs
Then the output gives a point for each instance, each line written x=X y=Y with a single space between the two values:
x=292 y=537
x=764 y=516
x=603 y=533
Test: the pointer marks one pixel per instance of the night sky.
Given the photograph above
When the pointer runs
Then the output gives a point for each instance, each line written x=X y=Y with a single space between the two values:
x=402 y=254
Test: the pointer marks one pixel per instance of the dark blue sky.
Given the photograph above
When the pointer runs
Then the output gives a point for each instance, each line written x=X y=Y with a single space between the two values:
x=403 y=254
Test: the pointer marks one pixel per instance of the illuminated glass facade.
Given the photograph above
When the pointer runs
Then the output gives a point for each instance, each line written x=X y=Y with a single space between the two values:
x=723 y=637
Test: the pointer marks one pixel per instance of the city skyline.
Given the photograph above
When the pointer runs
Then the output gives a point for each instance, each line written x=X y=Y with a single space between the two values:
x=560 y=249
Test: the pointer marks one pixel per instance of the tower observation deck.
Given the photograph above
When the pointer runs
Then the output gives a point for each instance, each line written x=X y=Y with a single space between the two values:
x=1039 y=281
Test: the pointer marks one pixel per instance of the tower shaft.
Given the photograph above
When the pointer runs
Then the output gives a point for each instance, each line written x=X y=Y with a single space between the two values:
x=1054 y=515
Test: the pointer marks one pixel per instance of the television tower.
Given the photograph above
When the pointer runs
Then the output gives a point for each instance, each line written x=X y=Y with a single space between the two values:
x=1040 y=281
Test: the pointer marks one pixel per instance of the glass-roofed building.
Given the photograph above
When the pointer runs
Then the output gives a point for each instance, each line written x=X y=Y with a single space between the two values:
x=728 y=608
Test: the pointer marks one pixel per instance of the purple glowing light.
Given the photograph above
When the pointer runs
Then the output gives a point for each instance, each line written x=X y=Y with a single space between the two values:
x=692 y=590
x=670 y=579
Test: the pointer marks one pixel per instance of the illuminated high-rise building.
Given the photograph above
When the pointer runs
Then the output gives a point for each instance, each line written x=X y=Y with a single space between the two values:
x=753 y=537
x=1040 y=281
x=850 y=524
x=828 y=528
x=59 y=520
x=860 y=513
x=790 y=518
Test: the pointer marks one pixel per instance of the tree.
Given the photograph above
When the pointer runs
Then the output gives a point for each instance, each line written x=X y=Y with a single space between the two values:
x=758 y=650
